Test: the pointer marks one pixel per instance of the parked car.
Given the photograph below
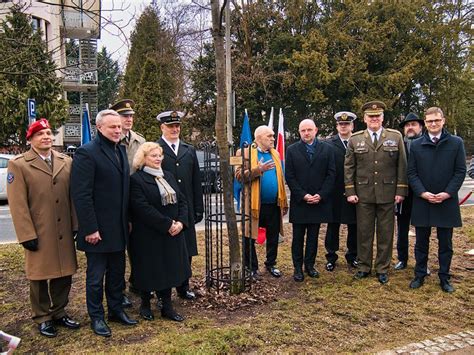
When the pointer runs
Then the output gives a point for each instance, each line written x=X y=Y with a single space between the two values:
x=4 y=158
x=210 y=175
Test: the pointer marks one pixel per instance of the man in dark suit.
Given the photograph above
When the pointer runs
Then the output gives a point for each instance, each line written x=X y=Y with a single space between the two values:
x=310 y=172
x=412 y=127
x=342 y=211
x=436 y=171
x=180 y=159
x=99 y=186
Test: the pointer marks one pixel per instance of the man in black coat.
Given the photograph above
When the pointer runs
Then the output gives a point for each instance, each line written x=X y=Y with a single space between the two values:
x=412 y=127
x=436 y=171
x=180 y=159
x=310 y=172
x=342 y=211
x=99 y=187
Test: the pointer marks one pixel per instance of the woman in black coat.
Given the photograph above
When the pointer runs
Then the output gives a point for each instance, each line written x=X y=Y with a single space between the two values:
x=157 y=243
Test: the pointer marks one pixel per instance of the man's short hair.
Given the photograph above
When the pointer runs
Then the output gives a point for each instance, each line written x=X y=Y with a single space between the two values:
x=100 y=116
x=433 y=111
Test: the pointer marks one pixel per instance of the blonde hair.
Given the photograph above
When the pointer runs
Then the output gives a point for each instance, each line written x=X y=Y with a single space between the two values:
x=142 y=152
x=433 y=111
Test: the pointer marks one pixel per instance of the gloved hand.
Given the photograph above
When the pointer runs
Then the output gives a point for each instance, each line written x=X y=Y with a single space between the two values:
x=31 y=245
x=198 y=217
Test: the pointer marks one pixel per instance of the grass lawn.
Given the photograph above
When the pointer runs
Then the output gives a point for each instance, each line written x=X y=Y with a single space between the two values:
x=333 y=313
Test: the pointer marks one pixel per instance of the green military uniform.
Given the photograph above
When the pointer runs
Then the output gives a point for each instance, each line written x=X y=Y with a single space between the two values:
x=375 y=173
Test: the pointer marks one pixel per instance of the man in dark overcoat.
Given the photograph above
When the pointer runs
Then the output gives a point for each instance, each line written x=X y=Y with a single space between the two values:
x=100 y=188
x=412 y=127
x=180 y=159
x=342 y=211
x=45 y=221
x=436 y=171
x=310 y=172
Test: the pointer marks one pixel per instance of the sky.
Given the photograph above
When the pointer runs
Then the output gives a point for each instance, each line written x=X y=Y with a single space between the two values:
x=115 y=36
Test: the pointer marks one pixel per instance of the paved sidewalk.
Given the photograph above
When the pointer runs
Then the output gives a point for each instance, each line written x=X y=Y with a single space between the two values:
x=459 y=343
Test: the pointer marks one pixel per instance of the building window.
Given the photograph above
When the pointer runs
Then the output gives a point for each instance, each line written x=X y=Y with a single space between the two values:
x=36 y=24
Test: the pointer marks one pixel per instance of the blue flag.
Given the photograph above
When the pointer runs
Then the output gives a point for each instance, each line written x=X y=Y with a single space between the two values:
x=245 y=138
x=86 y=126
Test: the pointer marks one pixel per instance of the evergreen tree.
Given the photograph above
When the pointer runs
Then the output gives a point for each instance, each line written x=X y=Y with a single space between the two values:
x=109 y=79
x=27 y=71
x=154 y=74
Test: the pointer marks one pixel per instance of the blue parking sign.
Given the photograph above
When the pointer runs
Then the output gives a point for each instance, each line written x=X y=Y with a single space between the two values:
x=31 y=107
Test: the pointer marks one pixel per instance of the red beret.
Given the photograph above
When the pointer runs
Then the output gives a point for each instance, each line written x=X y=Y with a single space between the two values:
x=36 y=127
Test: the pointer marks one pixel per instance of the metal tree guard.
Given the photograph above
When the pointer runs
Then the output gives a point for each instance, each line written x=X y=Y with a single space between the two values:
x=217 y=246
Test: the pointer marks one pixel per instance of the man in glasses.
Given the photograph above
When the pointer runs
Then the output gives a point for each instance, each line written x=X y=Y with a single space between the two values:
x=436 y=171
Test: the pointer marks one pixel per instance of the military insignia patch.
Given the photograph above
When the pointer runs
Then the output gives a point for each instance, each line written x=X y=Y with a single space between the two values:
x=389 y=143
x=10 y=177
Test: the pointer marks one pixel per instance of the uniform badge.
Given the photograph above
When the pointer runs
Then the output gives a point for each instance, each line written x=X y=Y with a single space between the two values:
x=10 y=177
x=389 y=143
x=362 y=143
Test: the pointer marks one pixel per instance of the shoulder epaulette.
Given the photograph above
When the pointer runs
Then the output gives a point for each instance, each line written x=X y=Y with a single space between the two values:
x=357 y=133
x=16 y=157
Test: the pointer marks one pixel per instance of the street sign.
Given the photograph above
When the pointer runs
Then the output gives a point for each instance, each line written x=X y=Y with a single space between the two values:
x=31 y=107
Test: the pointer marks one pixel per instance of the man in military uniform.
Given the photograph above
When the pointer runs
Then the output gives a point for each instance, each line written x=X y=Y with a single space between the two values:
x=343 y=211
x=180 y=159
x=45 y=222
x=412 y=127
x=375 y=179
x=131 y=140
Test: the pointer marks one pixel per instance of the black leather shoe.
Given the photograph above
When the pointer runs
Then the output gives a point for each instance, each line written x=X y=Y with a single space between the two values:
x=100 y=328
x=121 y=317
x=383 y=278
x=256 y=275
x=47 y=329
x=274 y=271
x=353 y=263
x=188 y=295
x=67 y=322
x=361 y=275
x=146 y=313
x=126 y=303
x=400 y=265
x=446 y=286
x=330 y=266
x=312 y=272
x=172 y=315
x=417 y=282
x=298 y=275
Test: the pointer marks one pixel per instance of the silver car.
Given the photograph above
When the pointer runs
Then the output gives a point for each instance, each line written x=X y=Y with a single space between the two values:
x=4 y=158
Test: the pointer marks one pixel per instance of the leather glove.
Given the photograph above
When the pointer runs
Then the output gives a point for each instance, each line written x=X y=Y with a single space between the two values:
x=31 y=245
x=198 y=217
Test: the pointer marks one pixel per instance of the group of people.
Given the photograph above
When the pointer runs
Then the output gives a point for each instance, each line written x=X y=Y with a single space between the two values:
x=357 y=179
x=121 y=193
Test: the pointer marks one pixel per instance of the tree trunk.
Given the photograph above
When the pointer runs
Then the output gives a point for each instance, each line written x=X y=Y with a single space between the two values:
x=226 y=171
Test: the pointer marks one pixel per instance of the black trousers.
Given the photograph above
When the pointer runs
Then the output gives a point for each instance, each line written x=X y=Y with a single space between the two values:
x=112 y=266
x=445 y=251
x=332 y=242
x=164 y=295
x=269 y=218
x=312 y=231
x=184 y=287
x=403 y=227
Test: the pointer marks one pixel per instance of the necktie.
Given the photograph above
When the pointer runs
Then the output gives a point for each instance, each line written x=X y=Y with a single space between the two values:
x=173 y=146
x=49 y=162
x=375 y=139
x=345 y=143
x=117 y=154
x=435 y=140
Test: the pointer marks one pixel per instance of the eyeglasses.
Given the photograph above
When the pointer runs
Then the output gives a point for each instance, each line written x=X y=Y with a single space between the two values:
x=435 y=121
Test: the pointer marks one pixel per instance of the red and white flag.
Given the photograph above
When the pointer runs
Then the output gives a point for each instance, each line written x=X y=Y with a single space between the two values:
x=280 y=144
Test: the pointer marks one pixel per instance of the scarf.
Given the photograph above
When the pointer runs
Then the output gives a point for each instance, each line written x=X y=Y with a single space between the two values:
x=255 y=186
x=168 y=195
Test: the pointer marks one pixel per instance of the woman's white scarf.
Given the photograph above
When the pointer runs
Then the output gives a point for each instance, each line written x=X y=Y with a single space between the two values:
x=168 y=195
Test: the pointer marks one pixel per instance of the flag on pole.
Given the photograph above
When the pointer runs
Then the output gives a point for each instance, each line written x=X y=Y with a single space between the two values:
x=245 y=138
x=86 y=126
x=270 y=121
x=280 y=145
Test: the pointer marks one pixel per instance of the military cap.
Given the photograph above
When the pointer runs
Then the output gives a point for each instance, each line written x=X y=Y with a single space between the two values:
x=124 y=107
x=345 y=116
x=411 y=117
x=36 y=127
x=170 y=117
x=374 y=108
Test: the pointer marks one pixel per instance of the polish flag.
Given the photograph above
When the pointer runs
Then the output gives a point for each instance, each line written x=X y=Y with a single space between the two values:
x=280 y=144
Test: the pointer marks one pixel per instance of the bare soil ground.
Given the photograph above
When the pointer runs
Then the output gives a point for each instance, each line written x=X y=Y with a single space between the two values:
x=333 y=313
